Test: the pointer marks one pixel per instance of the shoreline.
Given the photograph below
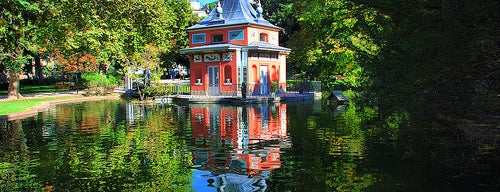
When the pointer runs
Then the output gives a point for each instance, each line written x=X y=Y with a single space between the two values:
x=44 y=106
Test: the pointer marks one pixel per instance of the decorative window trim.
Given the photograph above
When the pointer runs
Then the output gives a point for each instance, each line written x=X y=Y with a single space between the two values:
x=236 y=35
x=199 y=38
x=197 y=58
x=265 y=36
x=212 y=57
x=214 y=35
x=253 y=35
x=227 y=56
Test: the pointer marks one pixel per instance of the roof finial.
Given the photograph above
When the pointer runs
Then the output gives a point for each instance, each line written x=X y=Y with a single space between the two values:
x=219 y=11
x=259 y=10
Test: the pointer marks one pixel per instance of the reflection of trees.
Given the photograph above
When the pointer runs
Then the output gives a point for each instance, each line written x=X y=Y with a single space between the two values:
x=87 y=117
x=326 y=153
x=167 y=158
x=15 y=161
x=105 y=156
x=149 y=156
x=431 y=150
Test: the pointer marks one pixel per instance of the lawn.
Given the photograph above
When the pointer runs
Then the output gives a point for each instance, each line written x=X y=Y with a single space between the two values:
x=8 y=107
x=29 y=89
x=14 y=106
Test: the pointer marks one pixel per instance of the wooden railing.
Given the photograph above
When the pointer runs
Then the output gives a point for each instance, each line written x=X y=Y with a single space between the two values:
x=253 y=88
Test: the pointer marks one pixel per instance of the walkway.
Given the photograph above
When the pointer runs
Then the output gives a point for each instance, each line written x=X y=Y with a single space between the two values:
x=177 y=81
x=239 y=100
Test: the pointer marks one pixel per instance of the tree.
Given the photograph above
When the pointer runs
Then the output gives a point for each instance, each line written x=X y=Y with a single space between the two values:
x=426 y=56
x=332 y=40
x=152 y=28
x=134 y=33
x=283 y=13
x=18 y=30
x=439 y=57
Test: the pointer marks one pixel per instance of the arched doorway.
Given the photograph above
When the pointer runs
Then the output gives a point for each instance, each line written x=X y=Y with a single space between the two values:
x=274 y=74
x=255 y=76
x=228 y=74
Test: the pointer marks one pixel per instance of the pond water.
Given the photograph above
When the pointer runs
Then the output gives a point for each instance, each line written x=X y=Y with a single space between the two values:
x=306 y=146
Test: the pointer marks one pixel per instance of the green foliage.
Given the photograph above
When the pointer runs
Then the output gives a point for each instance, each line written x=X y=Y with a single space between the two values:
x=133 y=33
x=19 y=33
x=17 y=30
x=16 y=173
x=120 y=157
x=283 y=13
x=427 y=57
x=274 y=87
x=328 y=155
x=159 y=89
x=334 y=40
x=94 y=81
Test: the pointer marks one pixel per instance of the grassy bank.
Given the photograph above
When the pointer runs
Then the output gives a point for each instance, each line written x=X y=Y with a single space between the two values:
x=15 y=106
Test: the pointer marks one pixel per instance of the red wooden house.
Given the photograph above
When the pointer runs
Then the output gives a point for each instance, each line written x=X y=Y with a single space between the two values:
x=232 y=45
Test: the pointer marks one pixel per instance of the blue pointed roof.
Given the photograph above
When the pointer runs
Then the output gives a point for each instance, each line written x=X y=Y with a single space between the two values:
x=234 y=12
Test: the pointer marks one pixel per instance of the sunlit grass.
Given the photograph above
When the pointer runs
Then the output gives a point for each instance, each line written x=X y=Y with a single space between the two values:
x=15 y=106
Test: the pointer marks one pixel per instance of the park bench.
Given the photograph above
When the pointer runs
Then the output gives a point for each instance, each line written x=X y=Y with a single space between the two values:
x=65 y=85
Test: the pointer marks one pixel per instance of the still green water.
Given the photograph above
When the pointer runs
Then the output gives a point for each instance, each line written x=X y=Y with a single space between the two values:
x=309 y=146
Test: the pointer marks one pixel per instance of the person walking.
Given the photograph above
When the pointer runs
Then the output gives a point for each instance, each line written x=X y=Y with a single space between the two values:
x=172 y=74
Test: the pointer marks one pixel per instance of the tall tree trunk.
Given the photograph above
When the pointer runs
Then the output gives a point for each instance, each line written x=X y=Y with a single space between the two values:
x=38 y=65
x=13 y=91
x=38 y=68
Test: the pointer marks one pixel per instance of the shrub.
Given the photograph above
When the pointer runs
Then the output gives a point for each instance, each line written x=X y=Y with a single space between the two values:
x=274 y=87
x=97 y=81
x=159 y=89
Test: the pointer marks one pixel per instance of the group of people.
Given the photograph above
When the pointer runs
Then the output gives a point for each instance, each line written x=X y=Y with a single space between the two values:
x=173 y=74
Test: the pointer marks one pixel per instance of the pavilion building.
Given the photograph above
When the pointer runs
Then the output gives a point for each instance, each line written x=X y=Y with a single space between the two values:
x=234 y=46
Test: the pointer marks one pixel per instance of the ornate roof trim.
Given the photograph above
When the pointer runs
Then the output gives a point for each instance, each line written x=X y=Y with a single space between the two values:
x=265 y=46
x=235 y=12
x=255 y=46
x=211 y=48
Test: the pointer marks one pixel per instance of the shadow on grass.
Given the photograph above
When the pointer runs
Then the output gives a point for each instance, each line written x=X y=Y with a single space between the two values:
x=31 y=89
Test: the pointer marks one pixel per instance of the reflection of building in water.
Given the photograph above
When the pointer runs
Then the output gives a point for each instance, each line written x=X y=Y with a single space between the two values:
x=207 y=181
x=244 y=141
x=137 y=112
